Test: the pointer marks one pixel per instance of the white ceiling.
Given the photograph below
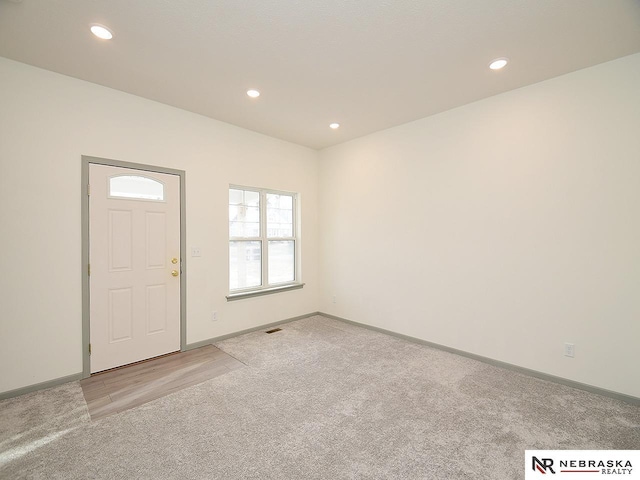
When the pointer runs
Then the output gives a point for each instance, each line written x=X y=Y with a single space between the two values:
x=367 y=64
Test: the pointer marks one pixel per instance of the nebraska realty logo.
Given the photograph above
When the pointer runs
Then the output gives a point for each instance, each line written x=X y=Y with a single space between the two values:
x=583 y=464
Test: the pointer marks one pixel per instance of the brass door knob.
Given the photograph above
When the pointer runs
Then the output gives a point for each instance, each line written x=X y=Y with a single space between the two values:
x=174 y=273
x=174 y=260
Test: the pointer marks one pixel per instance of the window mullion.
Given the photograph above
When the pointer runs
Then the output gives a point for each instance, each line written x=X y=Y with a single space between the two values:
x=263 y=234
x=294 y=231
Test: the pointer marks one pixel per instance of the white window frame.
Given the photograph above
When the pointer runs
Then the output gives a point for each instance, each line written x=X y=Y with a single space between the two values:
x=265 y=288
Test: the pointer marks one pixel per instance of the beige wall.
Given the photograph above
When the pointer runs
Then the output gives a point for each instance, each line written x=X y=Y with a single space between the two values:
x=502 y=228
x=47 y=122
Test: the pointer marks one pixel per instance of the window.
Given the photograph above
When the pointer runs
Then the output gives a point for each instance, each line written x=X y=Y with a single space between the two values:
x=262 y=241
x=133 y=186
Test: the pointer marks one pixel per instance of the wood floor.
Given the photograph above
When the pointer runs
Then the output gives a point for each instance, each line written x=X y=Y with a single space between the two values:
x=127 y=387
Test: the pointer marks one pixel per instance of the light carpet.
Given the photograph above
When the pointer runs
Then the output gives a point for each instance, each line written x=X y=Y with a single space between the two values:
x=320 y=399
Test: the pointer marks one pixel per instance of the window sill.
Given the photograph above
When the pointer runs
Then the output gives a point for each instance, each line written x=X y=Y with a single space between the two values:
x=265 y=291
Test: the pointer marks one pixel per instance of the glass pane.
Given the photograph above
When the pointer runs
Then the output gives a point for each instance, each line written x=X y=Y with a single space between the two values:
x=286 y=202
x=132 y=186
x=286 y=216
x=243 y=229
x=251 y=199
x=251 y=214
x=234 y=212
x=279 y=215
x=236 y=197
x=245 y=264
x=281 y=261
x=244 y=213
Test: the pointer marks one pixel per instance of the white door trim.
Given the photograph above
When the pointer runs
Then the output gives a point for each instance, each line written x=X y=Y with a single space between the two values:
x=86 y=161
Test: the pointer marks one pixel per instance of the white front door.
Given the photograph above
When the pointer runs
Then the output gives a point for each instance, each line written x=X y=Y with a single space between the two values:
x=134 y=257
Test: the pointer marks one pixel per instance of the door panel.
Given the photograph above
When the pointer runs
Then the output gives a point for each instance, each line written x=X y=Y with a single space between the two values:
x=120 y=240
x=134 y=235
x=120 y=315
x=156 y=309
x=156 y=240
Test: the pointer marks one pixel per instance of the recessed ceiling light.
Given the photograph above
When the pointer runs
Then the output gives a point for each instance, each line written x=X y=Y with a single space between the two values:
x=253 y=93
x=101 y=32
x=334 y=125
x=498 y=63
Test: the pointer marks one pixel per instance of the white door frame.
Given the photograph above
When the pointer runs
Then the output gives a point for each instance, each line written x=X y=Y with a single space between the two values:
x=86 y=161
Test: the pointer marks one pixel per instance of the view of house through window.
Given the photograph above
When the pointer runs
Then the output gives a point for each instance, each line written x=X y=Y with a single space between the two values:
x=262 y=239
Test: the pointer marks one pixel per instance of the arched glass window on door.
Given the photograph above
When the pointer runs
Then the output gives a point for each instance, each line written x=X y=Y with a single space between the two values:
x=137 y=187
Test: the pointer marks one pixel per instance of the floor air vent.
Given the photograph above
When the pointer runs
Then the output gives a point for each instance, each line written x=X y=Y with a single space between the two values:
x=273 y=331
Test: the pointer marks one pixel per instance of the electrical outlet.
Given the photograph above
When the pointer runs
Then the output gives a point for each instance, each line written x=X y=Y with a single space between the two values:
x=214 y=317
x=334 y=299
x=569 y=350
x=195 y=252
